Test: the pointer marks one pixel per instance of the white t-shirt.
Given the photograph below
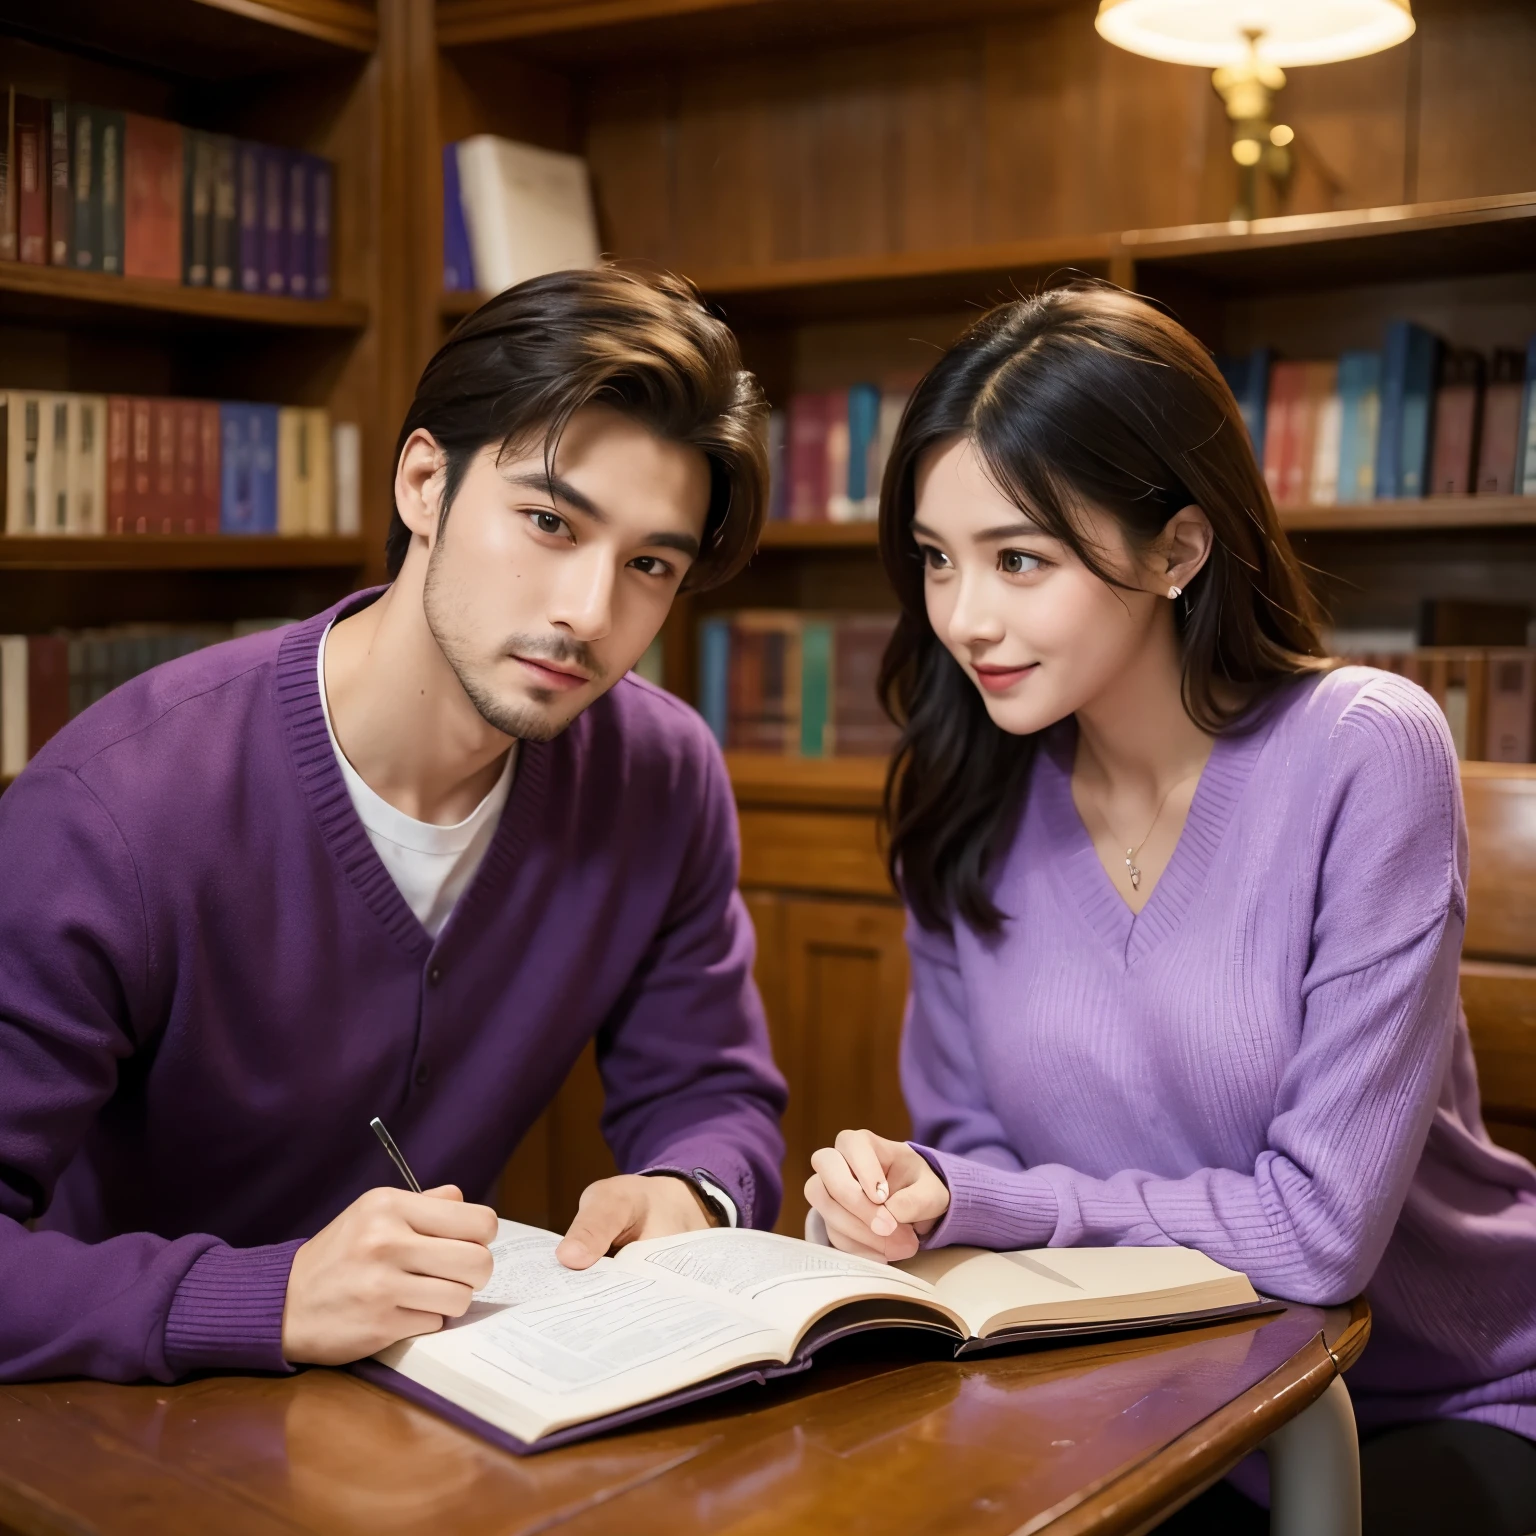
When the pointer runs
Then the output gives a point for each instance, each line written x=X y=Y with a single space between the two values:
x=433 y=865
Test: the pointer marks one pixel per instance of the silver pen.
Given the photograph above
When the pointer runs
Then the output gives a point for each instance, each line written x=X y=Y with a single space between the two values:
x=388 y=1143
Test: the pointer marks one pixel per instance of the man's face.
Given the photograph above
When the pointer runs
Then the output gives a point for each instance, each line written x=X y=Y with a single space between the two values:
x=544 y=590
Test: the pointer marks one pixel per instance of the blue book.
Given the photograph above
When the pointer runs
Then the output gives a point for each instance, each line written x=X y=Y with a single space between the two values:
x=247 y=468
x=1410 y=362
x=863 y=428
x=1248 y=379
x=1359 y=420
x=1525 y=454
x=715 y=675
x=458 y=264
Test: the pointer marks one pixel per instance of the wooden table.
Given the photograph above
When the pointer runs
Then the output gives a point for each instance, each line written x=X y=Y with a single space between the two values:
x=1100 y=1437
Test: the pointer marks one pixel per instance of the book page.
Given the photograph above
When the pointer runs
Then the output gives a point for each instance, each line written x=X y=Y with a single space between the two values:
x=1075 y=1285
x=543 y=1346
x=787 y=1282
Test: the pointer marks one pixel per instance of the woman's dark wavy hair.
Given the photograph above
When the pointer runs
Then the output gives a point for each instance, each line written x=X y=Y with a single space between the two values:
x=1081 y=396
x=527 y=360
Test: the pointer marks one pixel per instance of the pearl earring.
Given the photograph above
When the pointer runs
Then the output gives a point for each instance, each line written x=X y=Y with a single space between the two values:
x=1175 y=593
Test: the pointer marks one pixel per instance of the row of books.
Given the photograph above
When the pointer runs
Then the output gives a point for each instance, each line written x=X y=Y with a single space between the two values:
x=513 y=211
x=827 y=452
x=46 y=680
x=1417 y=418
x=135 y=196
x=1488 y=695
x=795 y=684
x=74 y=464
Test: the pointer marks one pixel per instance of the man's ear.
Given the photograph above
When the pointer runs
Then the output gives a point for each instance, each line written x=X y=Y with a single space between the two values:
x=419 y=484
x=1184 y=546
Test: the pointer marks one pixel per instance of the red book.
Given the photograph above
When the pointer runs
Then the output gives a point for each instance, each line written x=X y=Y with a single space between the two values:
x=1456 y=403
x=1501 y=425
x=1287 y=382
x=208 y=466
x=189 y=480
x=118 y=464
x=152 y=197
x=1512 y=706
x=31 y=149
x=808 y=422
x=47 y=689
x=165 y=512
x=141 y=465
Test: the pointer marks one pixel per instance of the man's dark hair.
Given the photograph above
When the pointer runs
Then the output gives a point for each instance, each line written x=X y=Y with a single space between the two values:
x=518 y=368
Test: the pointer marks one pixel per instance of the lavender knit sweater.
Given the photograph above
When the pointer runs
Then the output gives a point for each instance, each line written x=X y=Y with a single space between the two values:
x=1269 y=1063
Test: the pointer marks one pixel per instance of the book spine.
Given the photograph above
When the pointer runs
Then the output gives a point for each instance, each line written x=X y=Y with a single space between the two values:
x=207 y=467
x=1511 y=736
x=347 y=468
x=109 y=169
x=89 y=476
x=292 y=516
x=29 y=408
x=274 y=208
x=815 y=688
x=1455 y=434
x=1279 y=447
x=6 y=499
x=458 y=269
x=1500 y=437
x=1525 y=457
x=808 y=458
x=47 y=689
x=1389 y=442
x=13 y=705
x=248 y=175
x=236 y=506
x=8 y=178
x=296 y=232
x=197 y=210
x=189 y=510
x=32 y=180
x=714 y=675
x=165 y=515
x=60 y=206
x=141 y=465
x=863 y=444
x=1418 y=412
x=85 y=228
x=320 y=501
x=321 y=196
x=119 y=464
x=264 y=467
x=778 y=466
x=838 y=508
x=56 y=424
x=153 y=191
x=224 y=214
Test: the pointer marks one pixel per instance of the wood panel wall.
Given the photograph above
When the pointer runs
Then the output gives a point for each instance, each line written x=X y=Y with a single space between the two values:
x=990 y=132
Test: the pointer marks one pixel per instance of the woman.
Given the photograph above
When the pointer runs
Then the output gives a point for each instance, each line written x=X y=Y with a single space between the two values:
x=1186 y=901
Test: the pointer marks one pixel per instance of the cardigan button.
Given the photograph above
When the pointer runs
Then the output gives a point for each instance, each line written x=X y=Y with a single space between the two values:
x=435 y=975
x=423 y=1075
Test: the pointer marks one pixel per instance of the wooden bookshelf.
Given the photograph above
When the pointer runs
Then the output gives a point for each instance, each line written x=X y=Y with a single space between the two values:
x=171 y=552
x=1439 y=513
x=820 y=535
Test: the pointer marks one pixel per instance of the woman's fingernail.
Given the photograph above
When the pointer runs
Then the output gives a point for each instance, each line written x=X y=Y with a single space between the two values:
x=882 y=1189
x=883 y=1224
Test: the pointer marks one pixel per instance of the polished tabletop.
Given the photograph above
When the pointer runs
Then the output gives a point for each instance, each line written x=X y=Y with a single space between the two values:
x=878 y=1437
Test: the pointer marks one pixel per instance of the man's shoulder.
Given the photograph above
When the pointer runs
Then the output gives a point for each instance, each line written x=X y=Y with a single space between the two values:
x=652 y=736
x=190 y=702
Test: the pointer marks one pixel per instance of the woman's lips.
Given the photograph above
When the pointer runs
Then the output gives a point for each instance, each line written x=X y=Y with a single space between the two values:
x=551 y=676
x=1001 y=679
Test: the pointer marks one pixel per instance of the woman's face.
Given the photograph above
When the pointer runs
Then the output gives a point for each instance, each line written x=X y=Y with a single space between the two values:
x=1038 y=633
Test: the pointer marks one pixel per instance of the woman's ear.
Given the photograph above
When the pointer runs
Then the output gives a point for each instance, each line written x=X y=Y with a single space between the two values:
x=419 y=484
x=1183 y=547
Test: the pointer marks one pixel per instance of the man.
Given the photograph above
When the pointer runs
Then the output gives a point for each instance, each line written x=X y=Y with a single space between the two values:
x=404 y=859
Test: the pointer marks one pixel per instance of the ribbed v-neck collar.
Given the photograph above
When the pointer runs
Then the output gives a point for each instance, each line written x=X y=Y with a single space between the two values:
x=309 y=743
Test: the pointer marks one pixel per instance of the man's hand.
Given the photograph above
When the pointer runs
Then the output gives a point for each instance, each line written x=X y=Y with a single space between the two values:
x=392 y=1265
x=878 y=1198
x=624 y=1209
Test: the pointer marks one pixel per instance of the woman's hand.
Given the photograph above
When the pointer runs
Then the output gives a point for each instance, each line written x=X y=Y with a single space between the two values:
x=878 y=1198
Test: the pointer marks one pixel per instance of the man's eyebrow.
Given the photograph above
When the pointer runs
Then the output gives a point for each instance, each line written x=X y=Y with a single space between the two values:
x=563 y=490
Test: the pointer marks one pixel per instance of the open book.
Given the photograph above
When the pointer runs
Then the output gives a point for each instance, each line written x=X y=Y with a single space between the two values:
x=546 y=1355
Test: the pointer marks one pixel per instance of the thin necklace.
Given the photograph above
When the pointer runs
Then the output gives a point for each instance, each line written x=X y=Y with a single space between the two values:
x=1130 y=853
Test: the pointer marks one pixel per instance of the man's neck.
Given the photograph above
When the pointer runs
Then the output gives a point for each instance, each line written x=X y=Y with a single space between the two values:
x=401 y=717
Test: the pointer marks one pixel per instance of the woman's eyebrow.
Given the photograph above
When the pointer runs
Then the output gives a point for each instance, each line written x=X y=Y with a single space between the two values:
x=1021 y=529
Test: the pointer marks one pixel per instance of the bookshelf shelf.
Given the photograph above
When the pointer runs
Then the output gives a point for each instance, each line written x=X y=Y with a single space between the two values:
x=819 y=536
x=60 y=295
x=761 y=778
x=171 y=552
x=1432 y=512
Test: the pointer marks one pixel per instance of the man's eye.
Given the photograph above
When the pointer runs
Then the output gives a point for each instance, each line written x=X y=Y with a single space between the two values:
x=1015 y=562
x=548 y=522
x=651 y=565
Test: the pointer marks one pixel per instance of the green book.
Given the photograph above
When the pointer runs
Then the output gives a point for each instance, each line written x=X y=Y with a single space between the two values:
x=815 y=686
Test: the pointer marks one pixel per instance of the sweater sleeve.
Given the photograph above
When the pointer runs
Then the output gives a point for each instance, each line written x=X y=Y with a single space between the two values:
x=1311 y=1218
x=74 y=1008
x=688 y=1074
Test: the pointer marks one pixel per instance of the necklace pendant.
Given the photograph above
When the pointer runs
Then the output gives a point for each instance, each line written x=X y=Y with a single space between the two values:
x=1130 y=864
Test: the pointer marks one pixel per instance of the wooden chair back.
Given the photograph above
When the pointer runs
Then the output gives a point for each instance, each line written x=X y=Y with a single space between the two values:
x=1498 y=967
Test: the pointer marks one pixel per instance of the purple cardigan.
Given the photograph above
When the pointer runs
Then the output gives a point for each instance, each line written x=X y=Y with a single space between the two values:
x=209 y=983
x=1269 y=1063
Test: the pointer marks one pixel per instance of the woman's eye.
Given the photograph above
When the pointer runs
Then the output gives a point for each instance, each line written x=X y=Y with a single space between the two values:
x=1014 y=562
x=548 y=522
x=934 y=559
